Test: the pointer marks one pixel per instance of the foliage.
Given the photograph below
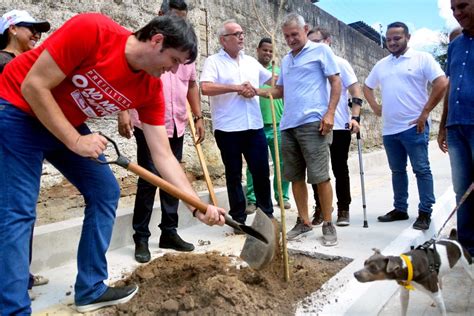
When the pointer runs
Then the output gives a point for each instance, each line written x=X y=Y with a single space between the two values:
x=441 y=51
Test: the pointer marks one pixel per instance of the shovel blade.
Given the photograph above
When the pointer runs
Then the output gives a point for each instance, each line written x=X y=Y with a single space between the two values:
x=256 y=252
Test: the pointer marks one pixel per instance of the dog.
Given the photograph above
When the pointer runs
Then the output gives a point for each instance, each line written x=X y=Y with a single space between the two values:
x=428 y=264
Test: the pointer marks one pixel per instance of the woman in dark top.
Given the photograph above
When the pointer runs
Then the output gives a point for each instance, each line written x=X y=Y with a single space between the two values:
x=20 y=32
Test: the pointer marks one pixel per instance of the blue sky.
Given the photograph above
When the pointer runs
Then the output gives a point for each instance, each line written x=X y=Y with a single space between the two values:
x=425 y=18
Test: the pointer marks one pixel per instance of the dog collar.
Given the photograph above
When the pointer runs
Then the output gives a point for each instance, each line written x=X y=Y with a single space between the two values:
x=407 y=283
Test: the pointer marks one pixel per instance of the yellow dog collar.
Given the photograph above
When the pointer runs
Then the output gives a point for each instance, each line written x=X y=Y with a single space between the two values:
x=407 y=283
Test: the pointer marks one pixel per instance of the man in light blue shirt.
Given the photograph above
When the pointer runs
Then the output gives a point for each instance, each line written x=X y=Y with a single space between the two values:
x=307 y=121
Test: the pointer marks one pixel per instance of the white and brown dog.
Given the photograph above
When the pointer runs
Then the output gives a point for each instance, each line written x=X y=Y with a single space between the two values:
x=421 y=268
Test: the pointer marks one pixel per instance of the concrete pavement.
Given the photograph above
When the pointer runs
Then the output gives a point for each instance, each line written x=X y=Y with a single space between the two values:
x=55 y=246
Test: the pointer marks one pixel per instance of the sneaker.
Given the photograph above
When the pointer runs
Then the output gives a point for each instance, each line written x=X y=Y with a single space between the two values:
x=329 y=234
x=287 y=205
x=423 y=221
x=392 y=216
x=299 y=229
x=343 y=218
x=251 y=208
x=112 y=296
x=142 y=253
x=39 y=280
x=173 y=241
x=317 y=216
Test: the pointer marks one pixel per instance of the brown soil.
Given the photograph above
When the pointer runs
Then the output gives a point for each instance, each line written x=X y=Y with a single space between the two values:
x=215 y=284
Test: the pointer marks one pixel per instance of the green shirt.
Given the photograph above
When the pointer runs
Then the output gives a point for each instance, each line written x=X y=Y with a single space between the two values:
x=265 y=104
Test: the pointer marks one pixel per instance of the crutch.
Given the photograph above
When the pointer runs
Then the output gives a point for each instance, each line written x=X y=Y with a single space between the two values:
x=362 y=184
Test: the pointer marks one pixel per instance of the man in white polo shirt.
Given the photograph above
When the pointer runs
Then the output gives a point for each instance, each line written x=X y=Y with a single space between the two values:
x=403 y=78
x=229 y=78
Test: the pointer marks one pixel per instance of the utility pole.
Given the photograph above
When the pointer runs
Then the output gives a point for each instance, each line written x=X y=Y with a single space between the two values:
x=381 y=36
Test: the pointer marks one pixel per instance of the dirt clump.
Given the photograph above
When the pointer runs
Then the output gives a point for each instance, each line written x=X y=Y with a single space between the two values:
x=216 y=284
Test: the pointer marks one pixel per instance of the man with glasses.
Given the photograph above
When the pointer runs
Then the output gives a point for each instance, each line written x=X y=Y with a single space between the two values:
x=229 y=78
x=403 y=78
x=89 y=68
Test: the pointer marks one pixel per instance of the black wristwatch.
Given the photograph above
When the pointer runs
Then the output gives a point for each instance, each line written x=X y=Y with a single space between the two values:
x=356 y=118
x=197 y=118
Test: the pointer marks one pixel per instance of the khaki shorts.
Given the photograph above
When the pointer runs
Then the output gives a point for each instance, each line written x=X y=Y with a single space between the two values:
x=304 y=148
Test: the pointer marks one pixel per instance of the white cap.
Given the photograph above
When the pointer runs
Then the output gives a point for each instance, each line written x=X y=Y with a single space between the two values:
x=15 y=17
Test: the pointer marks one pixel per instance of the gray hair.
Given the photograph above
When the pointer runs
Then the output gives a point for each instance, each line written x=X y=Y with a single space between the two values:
x=221 y=31
x=293 y=18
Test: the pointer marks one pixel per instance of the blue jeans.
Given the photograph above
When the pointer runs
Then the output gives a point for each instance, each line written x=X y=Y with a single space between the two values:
x=460 y=139
x=24 y=144
x=253 y=146
x=399 y=147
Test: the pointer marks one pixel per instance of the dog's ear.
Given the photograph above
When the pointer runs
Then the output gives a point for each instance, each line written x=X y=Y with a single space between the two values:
x=377 y=252
x=453 y=234
x=392 y=265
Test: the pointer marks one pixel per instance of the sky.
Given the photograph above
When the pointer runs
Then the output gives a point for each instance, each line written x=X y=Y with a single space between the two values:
x=426 y=19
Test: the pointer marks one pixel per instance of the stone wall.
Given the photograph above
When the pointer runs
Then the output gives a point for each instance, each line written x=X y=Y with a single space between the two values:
x=207 y=16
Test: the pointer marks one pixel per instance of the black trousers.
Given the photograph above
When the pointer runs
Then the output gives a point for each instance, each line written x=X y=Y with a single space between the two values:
x=146 y=192
x=339 y=155
x=252 y=144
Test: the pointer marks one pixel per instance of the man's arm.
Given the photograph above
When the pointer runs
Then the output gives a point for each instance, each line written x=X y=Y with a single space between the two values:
x=355 y=92
x=437 y=92
x=170 y=169
x=195 y=103
x=370 y=97
x=327 y=122
x=212 y=89
x=276 y=92
x=43 y=77
x=443 y=145
x=125 y=126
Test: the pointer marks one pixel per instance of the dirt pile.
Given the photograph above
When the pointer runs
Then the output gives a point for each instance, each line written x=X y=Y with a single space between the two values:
x=215 y=284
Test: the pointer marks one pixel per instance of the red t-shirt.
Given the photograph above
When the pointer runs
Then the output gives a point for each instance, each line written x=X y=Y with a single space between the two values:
x=90 y=50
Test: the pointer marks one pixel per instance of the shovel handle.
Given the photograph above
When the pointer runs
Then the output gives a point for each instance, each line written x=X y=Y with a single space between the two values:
x=174 y=191
x=167 y=187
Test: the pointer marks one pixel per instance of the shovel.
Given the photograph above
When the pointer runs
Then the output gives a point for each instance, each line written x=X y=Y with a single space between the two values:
x=259 y=246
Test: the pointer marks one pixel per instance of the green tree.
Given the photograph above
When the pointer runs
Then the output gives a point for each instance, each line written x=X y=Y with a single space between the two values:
x=440 y=52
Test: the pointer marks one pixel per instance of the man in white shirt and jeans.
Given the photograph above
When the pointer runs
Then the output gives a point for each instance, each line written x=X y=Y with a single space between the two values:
x=403 y=78
x=229 y=78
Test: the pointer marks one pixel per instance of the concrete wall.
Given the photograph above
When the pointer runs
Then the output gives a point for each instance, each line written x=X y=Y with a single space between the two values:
x=207 y=16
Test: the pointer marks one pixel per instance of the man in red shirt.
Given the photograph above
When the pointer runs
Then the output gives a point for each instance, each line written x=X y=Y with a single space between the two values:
x=90 y=67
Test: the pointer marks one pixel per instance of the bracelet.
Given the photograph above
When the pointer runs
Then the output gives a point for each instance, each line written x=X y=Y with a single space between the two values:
x=356 y=118
x=194 y=212
x=197 y=118
x=357 y=101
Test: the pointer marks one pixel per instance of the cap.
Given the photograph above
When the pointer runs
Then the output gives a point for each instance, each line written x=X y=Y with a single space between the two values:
x=14 y=17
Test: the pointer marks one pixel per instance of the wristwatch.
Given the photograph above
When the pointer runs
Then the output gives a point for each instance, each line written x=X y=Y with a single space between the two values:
x=197 y=118
x=356 y=118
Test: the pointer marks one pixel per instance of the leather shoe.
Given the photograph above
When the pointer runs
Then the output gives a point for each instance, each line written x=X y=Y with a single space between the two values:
x=173 y=241
x=142 y=254
x=423 y=221
x=392 y=216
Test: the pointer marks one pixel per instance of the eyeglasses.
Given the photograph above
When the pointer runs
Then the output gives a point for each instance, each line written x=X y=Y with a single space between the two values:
x=236 y=34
